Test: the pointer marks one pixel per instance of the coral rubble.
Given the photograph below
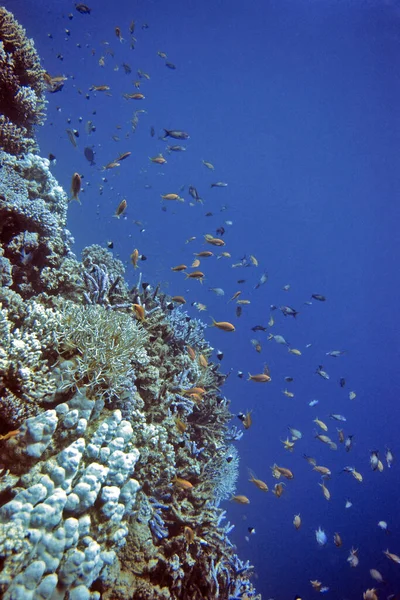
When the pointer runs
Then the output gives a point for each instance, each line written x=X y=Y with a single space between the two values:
x=115 y=448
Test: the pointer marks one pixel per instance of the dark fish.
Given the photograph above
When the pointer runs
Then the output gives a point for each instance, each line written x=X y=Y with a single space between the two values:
x=220 y=231
x=342 y=382
x=176 y=134
x=176 y=148
x=71 y=137
x=83 y=9
x=170 y=65
x=318 y=297
x=238 y=311
x=220 y=355
x=110 y=245
x=152 y=131
x=126 y=68
x=219 y=184
x=194 y=193
x=52 y=157
x=145 y=26
x=241 y=281
x=132 y=27
x=89 y=155
x=288 y=311
x=209 y=214
x=289 y=379
x=258 y=328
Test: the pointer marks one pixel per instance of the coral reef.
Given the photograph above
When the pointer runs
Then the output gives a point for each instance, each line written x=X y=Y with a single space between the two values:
x=22 y=87
x=115 y=444
x=33 y=237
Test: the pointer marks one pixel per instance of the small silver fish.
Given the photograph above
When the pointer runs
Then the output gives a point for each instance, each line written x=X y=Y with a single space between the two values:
x=322 y=373
x=218 y=291
x=337 y=417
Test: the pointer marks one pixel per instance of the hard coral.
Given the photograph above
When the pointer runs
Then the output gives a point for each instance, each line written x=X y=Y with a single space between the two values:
x=22 y=87
x=102 y=348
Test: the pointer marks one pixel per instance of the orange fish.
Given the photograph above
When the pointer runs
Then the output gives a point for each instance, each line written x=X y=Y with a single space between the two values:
x=135 y=96
x=223 y=325
x=179 y=268
x=257 y=482
x=9 y=435
x=172 y=197
x=239 y=499
x=183 y=484
x=76 y=187
x=123 y=156
x=282 y=471
x=259 y=378
x=235 y=295
x=196 y=263
x=99 y=88
x=215 y=241
x=191 y=352
x=204 y=254
x=194 y=390
x=203 y=361
x=139 y=311
x=135 y=257
x=278 y=489
x=178 y=299
x=121 y=208
x=196 y=275
x=247 y=420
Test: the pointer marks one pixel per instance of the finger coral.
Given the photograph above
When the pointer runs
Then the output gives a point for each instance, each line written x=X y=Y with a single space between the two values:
x=22 y=87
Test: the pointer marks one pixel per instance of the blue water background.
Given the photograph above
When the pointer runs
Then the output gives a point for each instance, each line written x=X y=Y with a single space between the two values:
x=296 y=103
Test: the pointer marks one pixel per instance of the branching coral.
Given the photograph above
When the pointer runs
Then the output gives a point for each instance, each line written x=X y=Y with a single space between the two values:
x=22 y=87
x=101 y=347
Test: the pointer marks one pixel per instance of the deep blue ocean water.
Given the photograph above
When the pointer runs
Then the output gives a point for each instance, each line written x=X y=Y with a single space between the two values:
x=297 y=104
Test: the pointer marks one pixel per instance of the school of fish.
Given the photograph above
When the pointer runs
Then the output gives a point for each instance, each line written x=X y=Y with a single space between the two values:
x=194 y=265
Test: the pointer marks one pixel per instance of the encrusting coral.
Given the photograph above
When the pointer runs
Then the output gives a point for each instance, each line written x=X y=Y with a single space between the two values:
x=115 y=445
x=22 y=87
